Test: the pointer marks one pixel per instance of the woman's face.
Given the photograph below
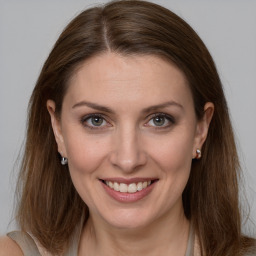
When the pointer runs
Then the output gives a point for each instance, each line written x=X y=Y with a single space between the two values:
x=129 y=131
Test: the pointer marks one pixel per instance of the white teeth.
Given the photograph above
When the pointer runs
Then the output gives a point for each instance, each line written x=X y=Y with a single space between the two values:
x=132 y=188
x=116 y=186
x=128 y=188
x=110 y=184
x=144 y=184
x=123 y=188
x=139 y=186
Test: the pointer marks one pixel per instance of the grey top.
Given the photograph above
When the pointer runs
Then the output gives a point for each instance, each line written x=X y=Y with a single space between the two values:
x=26 y=243
x=30 y=247
x=191 y=242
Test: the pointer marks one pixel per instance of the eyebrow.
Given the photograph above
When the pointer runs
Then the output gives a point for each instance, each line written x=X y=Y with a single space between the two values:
x=109 y=110
x=162 y=105
x=94 y=106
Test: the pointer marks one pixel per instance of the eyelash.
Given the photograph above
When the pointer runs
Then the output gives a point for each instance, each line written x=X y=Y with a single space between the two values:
x=168 y=118
x=85 y=119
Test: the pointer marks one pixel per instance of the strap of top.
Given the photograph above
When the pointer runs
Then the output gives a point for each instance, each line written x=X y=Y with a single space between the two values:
x=191 y=241
x=31 y=247
x=26 y=243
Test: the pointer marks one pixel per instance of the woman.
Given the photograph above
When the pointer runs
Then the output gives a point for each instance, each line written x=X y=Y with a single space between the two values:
x=129 y=149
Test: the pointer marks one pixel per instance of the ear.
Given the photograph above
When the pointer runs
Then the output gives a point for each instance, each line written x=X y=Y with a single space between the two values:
x=203 y=127
x=56 y=126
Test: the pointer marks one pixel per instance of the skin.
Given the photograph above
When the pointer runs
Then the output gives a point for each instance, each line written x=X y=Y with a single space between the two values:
x=9 y=247
x=130 y=143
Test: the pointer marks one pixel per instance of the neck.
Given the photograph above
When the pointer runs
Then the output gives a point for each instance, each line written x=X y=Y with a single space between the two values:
x=165 y=236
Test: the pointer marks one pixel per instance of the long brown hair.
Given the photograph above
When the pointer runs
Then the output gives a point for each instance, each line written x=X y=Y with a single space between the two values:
x=50 y=208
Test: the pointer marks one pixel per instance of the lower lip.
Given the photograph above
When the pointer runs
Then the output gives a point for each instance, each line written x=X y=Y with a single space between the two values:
x=128 y=197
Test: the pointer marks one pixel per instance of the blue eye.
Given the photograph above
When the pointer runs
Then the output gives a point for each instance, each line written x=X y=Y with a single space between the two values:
x=161 y=121
x=94 y=121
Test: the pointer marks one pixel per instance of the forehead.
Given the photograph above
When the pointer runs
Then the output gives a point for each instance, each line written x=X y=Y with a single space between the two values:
x=112 y=78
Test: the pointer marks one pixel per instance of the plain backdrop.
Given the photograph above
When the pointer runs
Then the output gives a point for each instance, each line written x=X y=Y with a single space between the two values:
x=28 y=30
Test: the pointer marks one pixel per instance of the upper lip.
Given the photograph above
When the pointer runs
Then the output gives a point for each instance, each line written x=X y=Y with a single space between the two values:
x=129 y=180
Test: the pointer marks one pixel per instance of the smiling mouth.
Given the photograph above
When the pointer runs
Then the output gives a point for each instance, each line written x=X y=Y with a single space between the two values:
x=128 y=188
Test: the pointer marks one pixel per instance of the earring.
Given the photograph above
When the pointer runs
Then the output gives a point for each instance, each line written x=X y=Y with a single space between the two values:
x=198 y=153
x=64 y=161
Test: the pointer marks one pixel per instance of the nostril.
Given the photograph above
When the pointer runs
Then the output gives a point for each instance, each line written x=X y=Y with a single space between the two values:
x=127 y=161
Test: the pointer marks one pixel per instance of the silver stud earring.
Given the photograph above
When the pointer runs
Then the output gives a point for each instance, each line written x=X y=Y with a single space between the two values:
x=198 y=153
x=64 y=161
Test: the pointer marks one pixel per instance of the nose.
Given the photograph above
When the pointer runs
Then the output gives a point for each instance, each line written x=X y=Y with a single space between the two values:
x=128 y=154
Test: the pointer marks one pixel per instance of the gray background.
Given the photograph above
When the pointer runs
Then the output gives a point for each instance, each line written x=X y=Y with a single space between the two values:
x=28 y=30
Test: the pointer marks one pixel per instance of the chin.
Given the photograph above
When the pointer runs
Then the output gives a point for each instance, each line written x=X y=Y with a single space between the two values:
x=129 y=219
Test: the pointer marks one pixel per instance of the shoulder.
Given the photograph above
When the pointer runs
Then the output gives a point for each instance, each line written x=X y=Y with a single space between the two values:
x=9 y=247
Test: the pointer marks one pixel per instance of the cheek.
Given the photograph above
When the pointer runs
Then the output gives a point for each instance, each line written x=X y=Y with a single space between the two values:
x=85 y=153
x=175 y=160
x=174 y=153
